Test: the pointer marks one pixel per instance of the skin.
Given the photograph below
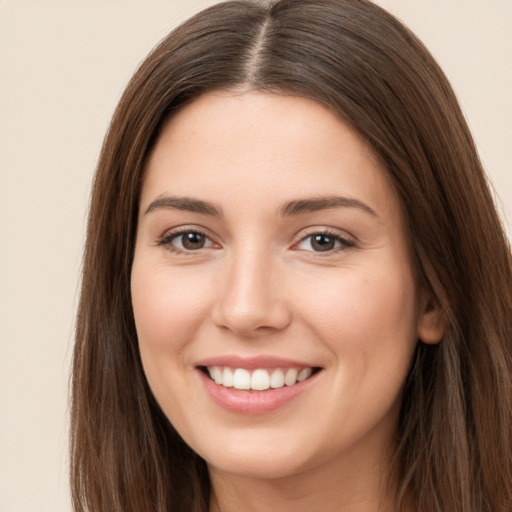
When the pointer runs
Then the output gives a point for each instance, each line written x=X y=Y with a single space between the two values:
x=259 y=286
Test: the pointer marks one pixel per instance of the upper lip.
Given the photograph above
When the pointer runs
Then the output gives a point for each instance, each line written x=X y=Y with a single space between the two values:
x=252 y=363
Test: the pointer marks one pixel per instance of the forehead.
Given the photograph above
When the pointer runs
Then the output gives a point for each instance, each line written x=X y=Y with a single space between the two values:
x=259 y=148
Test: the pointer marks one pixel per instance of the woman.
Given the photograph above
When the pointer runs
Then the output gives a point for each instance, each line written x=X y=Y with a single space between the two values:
x=296 y=290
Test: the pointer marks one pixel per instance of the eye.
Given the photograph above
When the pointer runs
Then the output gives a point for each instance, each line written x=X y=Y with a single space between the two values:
x=324 y=242
x=186 y=241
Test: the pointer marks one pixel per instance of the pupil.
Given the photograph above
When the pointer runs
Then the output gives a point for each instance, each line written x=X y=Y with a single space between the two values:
x=322 y=243
x=193 y=241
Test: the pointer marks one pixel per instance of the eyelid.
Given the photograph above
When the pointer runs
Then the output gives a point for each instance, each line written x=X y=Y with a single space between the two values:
x=346 y=240
x=166 y=239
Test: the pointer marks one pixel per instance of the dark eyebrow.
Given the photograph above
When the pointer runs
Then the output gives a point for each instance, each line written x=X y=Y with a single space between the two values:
x=184 y=203
x=301 y=206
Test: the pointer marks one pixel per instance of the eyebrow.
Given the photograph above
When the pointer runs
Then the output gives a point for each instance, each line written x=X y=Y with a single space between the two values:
x=302 y=206
x=186 y=204
x=289 y=209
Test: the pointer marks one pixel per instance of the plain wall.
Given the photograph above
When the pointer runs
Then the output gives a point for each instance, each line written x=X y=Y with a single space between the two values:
x=63 y=67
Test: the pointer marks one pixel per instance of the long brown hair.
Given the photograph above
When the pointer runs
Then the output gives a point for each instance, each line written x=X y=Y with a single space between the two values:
x=454 y=437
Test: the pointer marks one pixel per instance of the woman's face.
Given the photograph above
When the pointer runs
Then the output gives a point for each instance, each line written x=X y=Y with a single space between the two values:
x=270 y=254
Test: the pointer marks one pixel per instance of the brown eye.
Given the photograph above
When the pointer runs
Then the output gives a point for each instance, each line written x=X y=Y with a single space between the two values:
x=192 y=241
x=186 y=241
x=321 y=243
x=324 y=242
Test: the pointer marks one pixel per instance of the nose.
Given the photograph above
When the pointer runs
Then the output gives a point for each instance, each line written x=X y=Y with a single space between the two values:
x=251 y=298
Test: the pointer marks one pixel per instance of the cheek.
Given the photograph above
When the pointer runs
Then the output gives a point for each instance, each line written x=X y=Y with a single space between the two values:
x=368 y=319
x=166 y=304
x=169 y=309
x=368 y=322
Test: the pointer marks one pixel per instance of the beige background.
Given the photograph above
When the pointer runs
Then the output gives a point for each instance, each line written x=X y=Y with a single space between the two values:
x=63 y=65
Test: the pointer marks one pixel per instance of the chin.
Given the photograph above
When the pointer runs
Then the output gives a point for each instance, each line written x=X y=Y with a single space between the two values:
x=271 y=466
x=257 y=457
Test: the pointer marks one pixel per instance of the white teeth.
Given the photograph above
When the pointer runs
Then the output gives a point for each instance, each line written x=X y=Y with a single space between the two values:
x=304 y=374
x=260 y=379
x=241 y=379
x=217 y=375
x=291 y=377
x=277 y=379
x=227 y=377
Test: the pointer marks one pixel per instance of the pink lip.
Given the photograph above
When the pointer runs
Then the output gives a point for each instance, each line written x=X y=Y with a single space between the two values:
x=254 y=402
x=252 y=363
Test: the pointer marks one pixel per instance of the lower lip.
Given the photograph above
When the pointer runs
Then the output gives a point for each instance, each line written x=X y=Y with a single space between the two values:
x=254 y=402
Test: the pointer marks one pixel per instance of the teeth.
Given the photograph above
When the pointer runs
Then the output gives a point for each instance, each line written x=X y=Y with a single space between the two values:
x=277 y=379
x=260 y=379
x=241 y=379
x=227 y=377
x=216 y=374
x=304 y=374
x=291 y=377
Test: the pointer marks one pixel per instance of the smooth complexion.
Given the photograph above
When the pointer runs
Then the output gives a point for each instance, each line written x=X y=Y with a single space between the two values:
x=269 y=237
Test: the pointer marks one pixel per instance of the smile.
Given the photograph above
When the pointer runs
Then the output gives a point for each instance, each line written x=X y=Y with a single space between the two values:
x=258 y=379
x=256 y=385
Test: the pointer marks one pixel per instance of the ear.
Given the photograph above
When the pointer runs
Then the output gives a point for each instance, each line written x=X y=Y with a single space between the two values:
x=432 y=321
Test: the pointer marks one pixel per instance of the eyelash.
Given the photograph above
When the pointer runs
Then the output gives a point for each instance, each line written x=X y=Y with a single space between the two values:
x=168 y=238
x=344 y=243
